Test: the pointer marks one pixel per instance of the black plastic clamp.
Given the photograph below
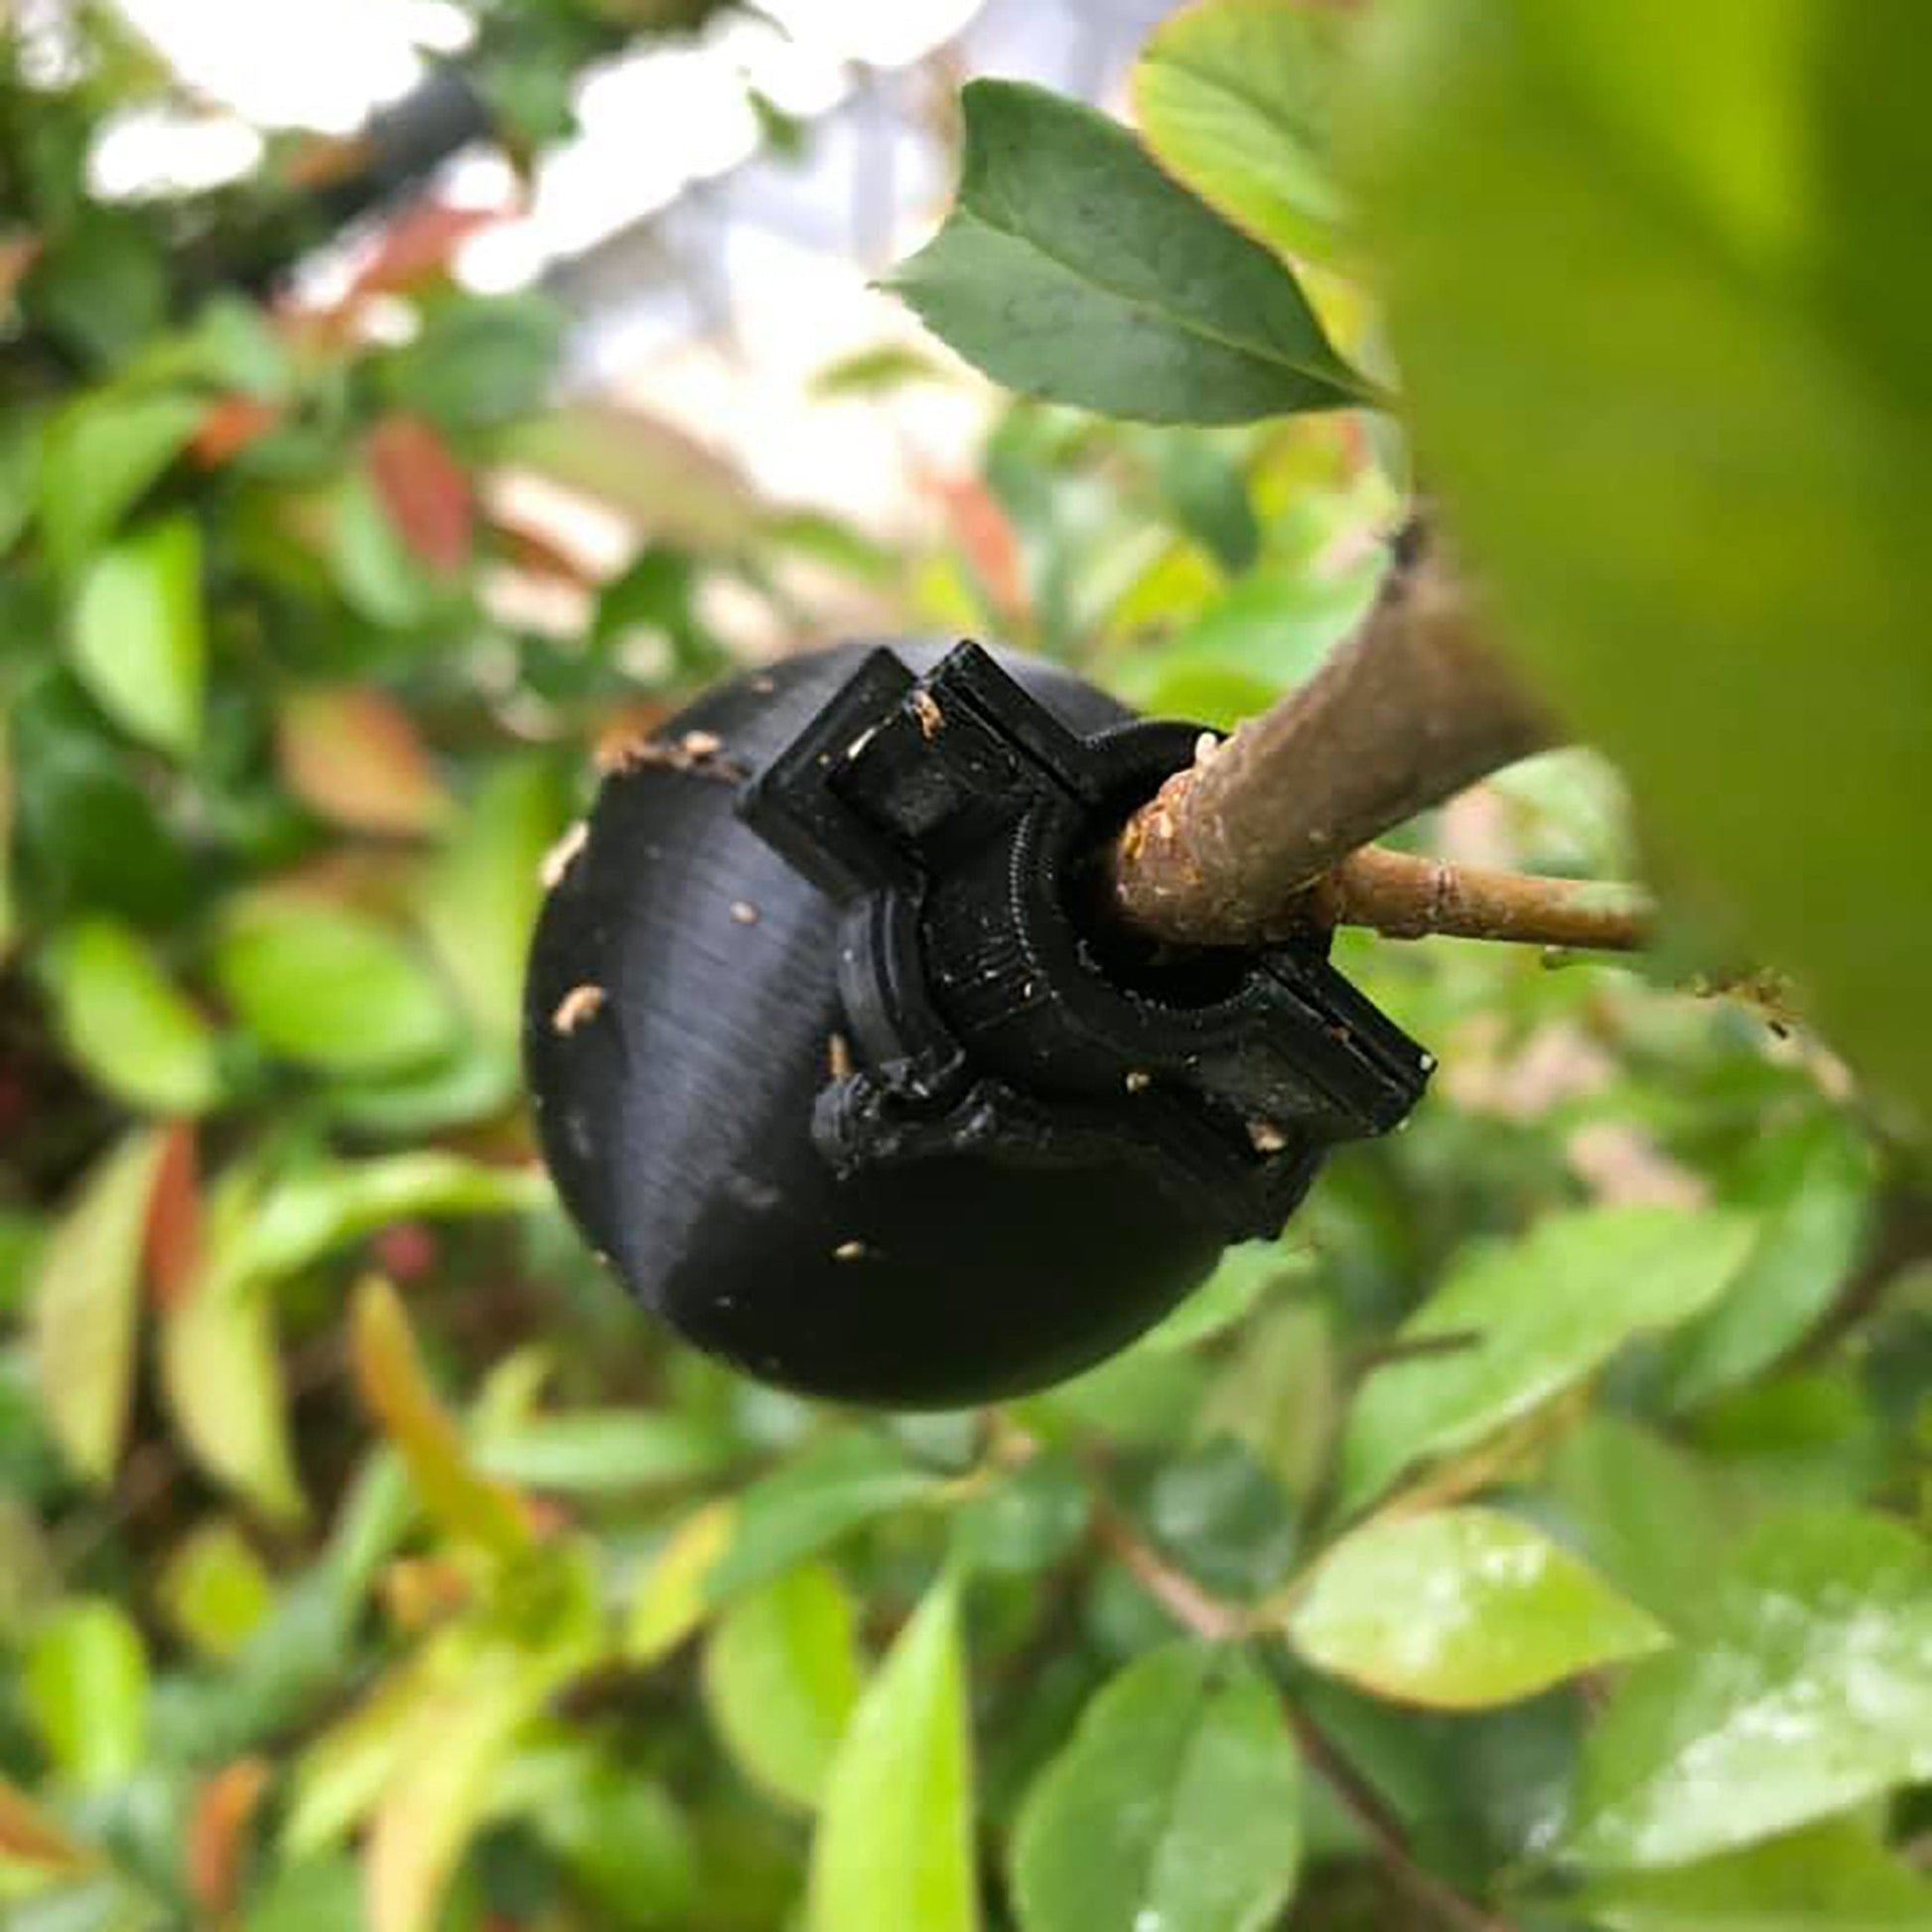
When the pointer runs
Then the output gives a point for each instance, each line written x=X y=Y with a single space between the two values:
x=957 y=821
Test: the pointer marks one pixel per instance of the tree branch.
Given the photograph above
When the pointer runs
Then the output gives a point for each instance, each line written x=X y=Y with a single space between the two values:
x=1408 y=711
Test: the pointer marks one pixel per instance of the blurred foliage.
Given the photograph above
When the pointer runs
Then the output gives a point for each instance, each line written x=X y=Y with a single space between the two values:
x=1533 y=1536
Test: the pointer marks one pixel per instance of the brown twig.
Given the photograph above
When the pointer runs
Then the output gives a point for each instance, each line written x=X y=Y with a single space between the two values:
x=1404 y=896
x=1386 y=1833
x=1408 y=711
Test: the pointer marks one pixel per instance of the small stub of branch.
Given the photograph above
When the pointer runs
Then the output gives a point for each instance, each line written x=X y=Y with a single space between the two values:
x=1409 y=710
x=1404 y=896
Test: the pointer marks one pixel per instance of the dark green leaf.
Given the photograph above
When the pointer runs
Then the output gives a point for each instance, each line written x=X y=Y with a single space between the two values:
x=1072 y=268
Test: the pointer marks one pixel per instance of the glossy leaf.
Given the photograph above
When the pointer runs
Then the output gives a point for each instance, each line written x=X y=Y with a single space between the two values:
x=332 y=987
x=139 y=639
x=100 y=456
x=1832 y=1877
x=1539 y=1314
x=1644 y=287
x=1233 y=97
x=83 y=1307
x=1177 y=1804
x=390 y=1372
x=782 y=1673
x=894 y=1841
x=122 y=1016
x=1073 y=269
x=83 y=1682
x=1804 y=1688
x=352 y=753
x=1461 y=1609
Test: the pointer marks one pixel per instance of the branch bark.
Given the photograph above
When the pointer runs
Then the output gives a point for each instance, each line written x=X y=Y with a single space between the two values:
x=1408 y=711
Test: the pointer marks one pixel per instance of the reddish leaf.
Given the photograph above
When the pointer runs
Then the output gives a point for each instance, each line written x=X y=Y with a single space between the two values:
x=217 y=1832
x=525 y=547
x=418 y=244
x=229 y=425
x=423 y=487
x=173 y=1231
x=983 y=530
x=18 y=253
x=352 y=754
x=29 y=1835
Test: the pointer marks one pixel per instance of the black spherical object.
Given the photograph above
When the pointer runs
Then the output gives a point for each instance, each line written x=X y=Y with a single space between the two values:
x=855 y=1099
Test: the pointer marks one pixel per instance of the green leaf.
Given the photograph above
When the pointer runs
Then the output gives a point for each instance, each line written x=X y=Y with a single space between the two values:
x=598 y=1452
x=84 y=1684
x=396 y=1390
x=216 y=1590
x=1804 y=1688
x=138 y=640
x=452 y=1750
x=1814 y=1184
x=221 y=1376
x=894 y=1847
x=100 y=456
x=670 y=486
x=1245 y=1274
x=1538 y=1315
x=794 y=1513
x=1073 y=269
x=124 y=1019
x=331 y=986
x=83 y=1307
x=326 y=1204
x=309 y=1895
x=1832 y=1877
x=782 y=1673
x=1460 y=1609
x=1654 y=287
x=671 y=1598
x=479 y=901
x=625 y=1843
x=1177 y=1804
x=1234 y=97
